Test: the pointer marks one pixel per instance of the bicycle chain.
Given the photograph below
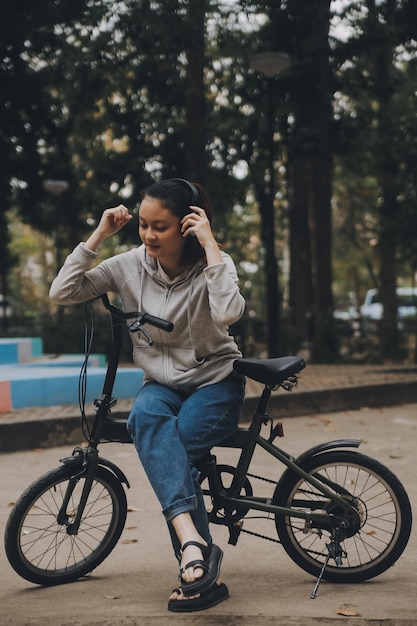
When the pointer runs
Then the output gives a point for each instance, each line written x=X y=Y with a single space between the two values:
x=250 y=532
x=267 y=480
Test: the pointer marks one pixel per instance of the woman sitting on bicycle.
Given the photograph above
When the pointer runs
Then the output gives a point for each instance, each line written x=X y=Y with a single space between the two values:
x=191 y=398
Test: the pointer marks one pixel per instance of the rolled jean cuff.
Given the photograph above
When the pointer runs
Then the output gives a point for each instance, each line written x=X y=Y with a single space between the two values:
x=181 y=506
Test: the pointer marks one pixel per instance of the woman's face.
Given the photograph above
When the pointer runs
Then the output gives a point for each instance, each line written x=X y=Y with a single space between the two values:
x=159 y=230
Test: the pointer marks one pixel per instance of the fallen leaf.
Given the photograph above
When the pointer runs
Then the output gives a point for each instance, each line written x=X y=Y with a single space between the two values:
x=129 y=541
x=345 y=610
x=130 y=527
x=111 y=597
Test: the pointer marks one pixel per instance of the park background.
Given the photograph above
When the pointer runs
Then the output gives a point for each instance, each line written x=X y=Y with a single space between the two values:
x=297 y=116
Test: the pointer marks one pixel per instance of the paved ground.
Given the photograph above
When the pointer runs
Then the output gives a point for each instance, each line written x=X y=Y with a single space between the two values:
x=131 y=587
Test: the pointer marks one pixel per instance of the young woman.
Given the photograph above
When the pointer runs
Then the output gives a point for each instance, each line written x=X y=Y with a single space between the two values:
x=191 y=398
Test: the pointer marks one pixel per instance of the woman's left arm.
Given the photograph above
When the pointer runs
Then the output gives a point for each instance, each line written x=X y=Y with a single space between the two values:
x=226 y=302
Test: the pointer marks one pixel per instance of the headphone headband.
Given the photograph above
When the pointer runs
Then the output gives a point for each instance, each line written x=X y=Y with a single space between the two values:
x=194 y=191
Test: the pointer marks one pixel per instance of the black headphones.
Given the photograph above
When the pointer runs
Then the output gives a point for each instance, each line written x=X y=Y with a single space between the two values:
x=195 y=195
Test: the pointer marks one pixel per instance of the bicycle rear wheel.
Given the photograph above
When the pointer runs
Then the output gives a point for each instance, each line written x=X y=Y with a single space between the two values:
x=37 y=544
x=378 y=496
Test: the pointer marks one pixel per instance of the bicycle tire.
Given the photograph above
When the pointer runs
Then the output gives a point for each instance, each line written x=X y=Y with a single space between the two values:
x=39 y=548
x=383 y=505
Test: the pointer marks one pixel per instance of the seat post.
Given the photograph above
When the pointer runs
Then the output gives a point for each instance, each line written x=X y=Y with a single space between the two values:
x=263 y=400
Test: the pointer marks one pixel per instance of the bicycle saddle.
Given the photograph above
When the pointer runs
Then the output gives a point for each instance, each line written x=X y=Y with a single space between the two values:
x=269 y=371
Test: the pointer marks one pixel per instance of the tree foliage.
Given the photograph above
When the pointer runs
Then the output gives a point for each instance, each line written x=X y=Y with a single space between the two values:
x=111 y=95
x=375 y=144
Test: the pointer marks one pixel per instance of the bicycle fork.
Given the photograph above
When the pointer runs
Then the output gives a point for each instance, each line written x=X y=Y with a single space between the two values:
x=89 y=462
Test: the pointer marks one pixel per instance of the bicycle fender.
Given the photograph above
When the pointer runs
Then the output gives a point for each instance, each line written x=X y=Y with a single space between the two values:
x=328 y=445
x=78 y=463
x=116 y=470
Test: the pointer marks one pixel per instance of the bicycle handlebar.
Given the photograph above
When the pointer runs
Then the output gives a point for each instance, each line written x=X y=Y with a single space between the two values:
x=141 y=318
x=156 y=321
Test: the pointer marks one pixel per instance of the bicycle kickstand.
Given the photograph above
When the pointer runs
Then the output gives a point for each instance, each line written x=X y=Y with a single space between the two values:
x=319 y=579
x=334 y=552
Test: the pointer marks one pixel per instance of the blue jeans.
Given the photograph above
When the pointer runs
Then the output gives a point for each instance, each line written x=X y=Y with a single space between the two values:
x=171 y=432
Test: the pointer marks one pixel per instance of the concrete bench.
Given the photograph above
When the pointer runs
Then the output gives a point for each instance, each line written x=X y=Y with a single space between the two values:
x=28 y=378
x=36 y=386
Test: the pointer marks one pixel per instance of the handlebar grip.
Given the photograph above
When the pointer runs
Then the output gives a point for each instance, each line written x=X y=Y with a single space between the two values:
x=143 y=318
x=158 y=322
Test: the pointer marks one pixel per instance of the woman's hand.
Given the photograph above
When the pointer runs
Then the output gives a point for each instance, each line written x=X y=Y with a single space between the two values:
x=112 y=220
x=197 y=224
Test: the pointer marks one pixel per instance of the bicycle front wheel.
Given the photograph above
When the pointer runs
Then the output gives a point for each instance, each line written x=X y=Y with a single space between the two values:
x=37 y=542
x=378 y=496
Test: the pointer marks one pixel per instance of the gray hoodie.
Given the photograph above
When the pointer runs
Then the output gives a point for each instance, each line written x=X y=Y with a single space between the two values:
x=201 y=303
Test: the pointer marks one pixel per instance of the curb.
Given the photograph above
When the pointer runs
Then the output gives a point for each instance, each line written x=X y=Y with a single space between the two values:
x=58 y=431
x=336 y=400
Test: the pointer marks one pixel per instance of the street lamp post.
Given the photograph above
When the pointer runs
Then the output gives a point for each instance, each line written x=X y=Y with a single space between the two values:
x=270 y=64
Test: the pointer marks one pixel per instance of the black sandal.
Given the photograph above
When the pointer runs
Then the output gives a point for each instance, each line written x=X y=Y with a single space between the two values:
x=208 y=598
x=211 y=567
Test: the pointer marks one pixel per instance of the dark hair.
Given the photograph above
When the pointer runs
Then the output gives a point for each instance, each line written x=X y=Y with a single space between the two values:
x=177 y=195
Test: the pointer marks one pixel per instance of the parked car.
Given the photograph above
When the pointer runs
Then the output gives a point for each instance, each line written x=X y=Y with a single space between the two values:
x=372 y=308
x=346 y=315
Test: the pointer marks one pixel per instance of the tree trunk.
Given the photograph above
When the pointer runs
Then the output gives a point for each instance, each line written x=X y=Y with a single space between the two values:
x=301 y=283
x=194 y=93
x=312 y=158
x=382 y=34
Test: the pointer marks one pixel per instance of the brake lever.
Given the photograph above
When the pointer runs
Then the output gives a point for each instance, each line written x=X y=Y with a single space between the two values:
x=137 y=327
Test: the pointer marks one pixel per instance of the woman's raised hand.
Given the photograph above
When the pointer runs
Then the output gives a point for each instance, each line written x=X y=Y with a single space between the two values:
x=196 y=223
x=112 y=220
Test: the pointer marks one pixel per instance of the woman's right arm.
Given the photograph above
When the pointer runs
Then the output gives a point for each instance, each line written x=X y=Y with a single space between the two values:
x=76 y=282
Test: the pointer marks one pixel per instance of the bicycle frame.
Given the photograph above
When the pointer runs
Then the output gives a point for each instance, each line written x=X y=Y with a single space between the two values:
x=105 y=427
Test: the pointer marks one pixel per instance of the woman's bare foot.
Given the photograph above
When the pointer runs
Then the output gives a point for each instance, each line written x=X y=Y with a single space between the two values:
x=190 y=554
x=177 y=594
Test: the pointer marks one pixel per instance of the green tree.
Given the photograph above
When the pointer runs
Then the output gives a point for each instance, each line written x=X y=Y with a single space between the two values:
x=311 y=170
x=375 y=144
